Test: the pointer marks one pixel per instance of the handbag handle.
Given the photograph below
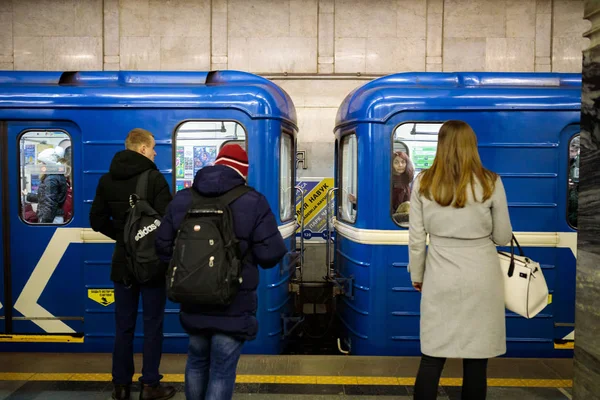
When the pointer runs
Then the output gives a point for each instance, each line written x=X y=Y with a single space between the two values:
x=511 y=268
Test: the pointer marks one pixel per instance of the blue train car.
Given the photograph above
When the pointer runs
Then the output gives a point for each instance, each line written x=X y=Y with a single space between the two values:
x=55 y=291
x=528 y=132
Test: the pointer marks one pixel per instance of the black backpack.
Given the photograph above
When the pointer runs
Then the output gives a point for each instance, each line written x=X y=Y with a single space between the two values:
x=141 y=226
x=207 y=263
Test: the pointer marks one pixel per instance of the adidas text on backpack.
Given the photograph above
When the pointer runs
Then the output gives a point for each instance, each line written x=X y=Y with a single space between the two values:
x=141 y=224
x=206 y=268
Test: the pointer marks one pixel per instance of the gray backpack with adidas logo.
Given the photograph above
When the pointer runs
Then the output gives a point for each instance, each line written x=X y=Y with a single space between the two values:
x=141 y=226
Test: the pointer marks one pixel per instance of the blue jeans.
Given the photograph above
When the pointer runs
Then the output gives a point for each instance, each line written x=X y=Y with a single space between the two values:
x=126 y=310
x=211 y=364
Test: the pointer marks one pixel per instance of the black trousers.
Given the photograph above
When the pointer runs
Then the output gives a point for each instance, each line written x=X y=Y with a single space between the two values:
x=474 y=378
x=126 y=311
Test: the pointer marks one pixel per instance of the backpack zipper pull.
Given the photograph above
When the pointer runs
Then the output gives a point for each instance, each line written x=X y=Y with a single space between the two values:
x=211 y=261
x=173 y=276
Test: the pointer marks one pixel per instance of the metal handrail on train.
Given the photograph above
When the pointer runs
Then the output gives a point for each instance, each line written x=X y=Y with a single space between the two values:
x=302 y=193
x=328 y=250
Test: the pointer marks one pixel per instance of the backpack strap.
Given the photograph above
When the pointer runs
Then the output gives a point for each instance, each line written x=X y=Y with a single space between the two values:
x=223 y=200
x=228 y=198
x=141 y=188
x=234 y=194
x=142 y=184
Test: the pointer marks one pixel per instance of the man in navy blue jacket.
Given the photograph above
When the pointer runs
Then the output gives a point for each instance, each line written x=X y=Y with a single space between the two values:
x=217 y=335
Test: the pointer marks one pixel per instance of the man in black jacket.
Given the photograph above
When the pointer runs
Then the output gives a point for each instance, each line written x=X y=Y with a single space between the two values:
x=107 y=216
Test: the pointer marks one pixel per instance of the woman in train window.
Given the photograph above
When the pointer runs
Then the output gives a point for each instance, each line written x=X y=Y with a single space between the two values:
x=403 y=173
x=463 y=208
x=52 y=192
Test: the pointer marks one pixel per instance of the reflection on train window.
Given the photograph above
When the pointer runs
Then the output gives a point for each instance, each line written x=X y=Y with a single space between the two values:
x=45 y=184
x=286 y=181
x=197 y=144
x=414 y=148
x=573 y=189
x=348 y=178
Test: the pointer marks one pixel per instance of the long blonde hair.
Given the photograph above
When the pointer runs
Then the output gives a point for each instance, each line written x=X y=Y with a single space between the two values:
x=456 y=165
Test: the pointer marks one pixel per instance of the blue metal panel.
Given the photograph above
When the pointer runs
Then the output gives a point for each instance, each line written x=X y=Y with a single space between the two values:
x=505 y=147
x=97 y=110
x=523 y=124
x=378 y=100
x=2 y=266
x=383 y=317
x=258 y=97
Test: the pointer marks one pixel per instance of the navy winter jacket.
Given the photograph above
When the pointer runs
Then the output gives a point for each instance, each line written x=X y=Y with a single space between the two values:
x=256 y=229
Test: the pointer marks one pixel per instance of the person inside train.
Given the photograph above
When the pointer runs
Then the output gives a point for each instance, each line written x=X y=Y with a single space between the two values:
x=107 y=215
x=463 y=208
x=403 y=173
x=51 y=193
x=218 y=333
x=65 y=213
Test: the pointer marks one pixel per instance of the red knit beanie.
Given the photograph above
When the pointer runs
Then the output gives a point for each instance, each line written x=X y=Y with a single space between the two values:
x=234 y=156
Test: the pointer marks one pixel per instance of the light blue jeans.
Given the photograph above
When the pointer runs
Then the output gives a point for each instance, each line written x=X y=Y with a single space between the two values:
x=211 y=364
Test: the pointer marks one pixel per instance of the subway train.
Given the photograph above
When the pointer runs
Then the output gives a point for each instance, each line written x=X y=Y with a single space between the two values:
x=527 y=127
x=55 y=291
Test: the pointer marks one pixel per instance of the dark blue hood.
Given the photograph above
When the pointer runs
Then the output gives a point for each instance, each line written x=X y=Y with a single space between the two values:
x=216 y=180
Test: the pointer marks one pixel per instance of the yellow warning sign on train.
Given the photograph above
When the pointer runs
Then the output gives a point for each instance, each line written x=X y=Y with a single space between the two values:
x=102 y=296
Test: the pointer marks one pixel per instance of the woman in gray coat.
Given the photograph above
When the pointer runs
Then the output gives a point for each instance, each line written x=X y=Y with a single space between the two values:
x=462 y=206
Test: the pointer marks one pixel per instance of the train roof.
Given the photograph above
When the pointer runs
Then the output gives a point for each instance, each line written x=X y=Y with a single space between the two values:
x=381 y=98
x=252 y=94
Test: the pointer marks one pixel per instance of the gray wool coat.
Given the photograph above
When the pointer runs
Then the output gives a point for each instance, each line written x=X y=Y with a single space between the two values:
x=462 y=302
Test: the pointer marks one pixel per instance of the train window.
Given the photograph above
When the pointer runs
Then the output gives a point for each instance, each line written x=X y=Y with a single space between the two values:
x=413 y=150
x=45 y=183
x=573 y=181
x=197 y=144
x=348 y=178
x=286 y=181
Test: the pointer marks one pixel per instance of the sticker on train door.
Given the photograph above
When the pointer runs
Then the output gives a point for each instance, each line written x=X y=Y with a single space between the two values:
x=102 y=296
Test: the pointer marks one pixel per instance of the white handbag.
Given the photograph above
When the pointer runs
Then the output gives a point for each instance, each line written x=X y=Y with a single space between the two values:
x=525 y=289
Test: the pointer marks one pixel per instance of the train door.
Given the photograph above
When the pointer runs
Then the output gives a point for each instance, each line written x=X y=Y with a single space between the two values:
x=564 y=293
x=43 y=291
x=3 y=226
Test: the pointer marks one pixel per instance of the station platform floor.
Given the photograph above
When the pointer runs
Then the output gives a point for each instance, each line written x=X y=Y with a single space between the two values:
x=50 y=376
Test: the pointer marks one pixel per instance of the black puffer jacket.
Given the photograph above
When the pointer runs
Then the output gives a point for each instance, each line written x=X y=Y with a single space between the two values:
x=50 y=197
x=111 y=203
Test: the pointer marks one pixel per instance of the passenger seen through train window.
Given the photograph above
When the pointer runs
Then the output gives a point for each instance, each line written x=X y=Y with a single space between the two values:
x=403 y=173
x=45 y=178
x=413 y=151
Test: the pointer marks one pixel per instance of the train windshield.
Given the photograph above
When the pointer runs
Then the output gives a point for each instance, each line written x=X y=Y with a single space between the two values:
x=414 y=148
x=197 y=144
x=45 y=182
